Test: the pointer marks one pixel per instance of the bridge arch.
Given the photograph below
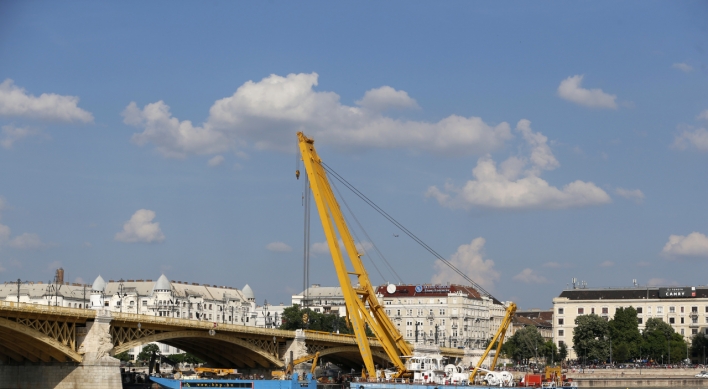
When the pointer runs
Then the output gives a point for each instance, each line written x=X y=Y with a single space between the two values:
x=33 y=344
x=259 y=355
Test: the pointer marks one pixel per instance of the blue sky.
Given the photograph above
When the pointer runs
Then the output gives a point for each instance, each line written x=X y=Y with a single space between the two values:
x=528 y=143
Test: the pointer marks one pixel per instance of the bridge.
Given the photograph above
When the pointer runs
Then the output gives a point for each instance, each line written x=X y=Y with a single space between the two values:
x=32 y=333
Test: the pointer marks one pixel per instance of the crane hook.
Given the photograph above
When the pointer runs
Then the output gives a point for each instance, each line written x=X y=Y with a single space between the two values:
x=297 y=174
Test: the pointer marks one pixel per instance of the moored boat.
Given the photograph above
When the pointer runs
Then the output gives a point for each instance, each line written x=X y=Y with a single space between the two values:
x=294 y=383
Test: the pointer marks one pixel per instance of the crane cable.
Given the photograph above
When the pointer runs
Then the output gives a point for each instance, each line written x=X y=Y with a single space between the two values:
x=403 y=228
x=369 y=239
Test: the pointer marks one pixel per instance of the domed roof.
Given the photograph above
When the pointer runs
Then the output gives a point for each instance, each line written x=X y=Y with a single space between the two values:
x=248 y=293
x=162 y=284
x=99 y=284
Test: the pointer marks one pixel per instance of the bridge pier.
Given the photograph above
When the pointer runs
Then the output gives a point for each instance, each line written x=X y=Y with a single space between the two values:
x=98 y=370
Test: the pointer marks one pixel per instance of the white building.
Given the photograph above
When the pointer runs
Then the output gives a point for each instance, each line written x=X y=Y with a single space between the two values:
x=684 y=308
x=459 y=314
x=219 y=304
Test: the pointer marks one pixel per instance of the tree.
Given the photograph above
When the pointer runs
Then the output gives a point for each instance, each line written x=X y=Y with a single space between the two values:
x=123 y=356
x=562 y=352
x=293 y=319
x=550 y=351
x=624 y=334
x=659 y=337
x=147 y=351
x=698 y=347
x=525 y=344
x=590 y=337
x=185 y=358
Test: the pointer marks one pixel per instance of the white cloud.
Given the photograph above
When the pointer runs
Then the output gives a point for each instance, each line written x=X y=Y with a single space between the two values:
x=469 y=259
x=703 y=115
x=279 y=247
x=690 y=137
x=14 y=101
x=684 y=67
x=26 y=241
x=140 y=228
x=694 y=244
x=268 y=113
x=385 y=97
x=570 y=89
x=607 y=264
x=4 y=233
x=216 y=161
x=631 y=194
x=517 y=185
x=530 y=276
x=11 y=134
x=319 y=248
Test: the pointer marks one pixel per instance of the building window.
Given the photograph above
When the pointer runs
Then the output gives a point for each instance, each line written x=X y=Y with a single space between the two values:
x=672 y=320
x=442 y=311
x=592 y=310
x=681 y=320
x=581 y=311
x=681 y=309
x=410 y=312
x=388 y=312
x=694 y=320
x=681 y=331
x=649 y=310
x=560 y=310
x=672 y=309
x=560 y=343
x=604 y=310
x=694 y=309
x=398 y=312
x=639 y=310
x=694 y=331
x=659 y=310
x=560 y=322
x=639 y=320
x=560 y=332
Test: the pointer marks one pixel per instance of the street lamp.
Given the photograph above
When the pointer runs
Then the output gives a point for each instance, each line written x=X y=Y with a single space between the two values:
x=121 y=294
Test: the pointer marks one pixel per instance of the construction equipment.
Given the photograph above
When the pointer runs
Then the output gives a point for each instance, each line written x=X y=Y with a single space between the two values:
x=218 y=372
x=277 y=374
x=498 y=339
x=363 y=307
x=356 y=296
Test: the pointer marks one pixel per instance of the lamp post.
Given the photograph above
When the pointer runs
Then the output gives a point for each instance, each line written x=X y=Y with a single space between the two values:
x=265 y=314
x=121 y=294
x=18 y=289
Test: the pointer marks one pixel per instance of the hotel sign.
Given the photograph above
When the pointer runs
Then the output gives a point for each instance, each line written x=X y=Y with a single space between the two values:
x=667 y=293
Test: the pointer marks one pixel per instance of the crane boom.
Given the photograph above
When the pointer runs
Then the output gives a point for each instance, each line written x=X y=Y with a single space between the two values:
x=356 y=296
x=498 y=339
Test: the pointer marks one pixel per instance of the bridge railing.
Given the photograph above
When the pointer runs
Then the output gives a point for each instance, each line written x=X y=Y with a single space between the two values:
x=47 y=309
x=198 y=324
x=337 y=338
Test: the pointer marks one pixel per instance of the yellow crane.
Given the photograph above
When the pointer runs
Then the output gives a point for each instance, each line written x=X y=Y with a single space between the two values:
x=498 y=339
x=357 y=289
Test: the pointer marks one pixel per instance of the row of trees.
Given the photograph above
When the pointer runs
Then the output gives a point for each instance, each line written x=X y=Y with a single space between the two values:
x=146 y=353
x=619 y=339
x=597 y=340
x=527 y=344
x=295 y=318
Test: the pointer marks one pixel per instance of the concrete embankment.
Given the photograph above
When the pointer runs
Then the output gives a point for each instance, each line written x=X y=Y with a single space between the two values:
x=632 y=378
